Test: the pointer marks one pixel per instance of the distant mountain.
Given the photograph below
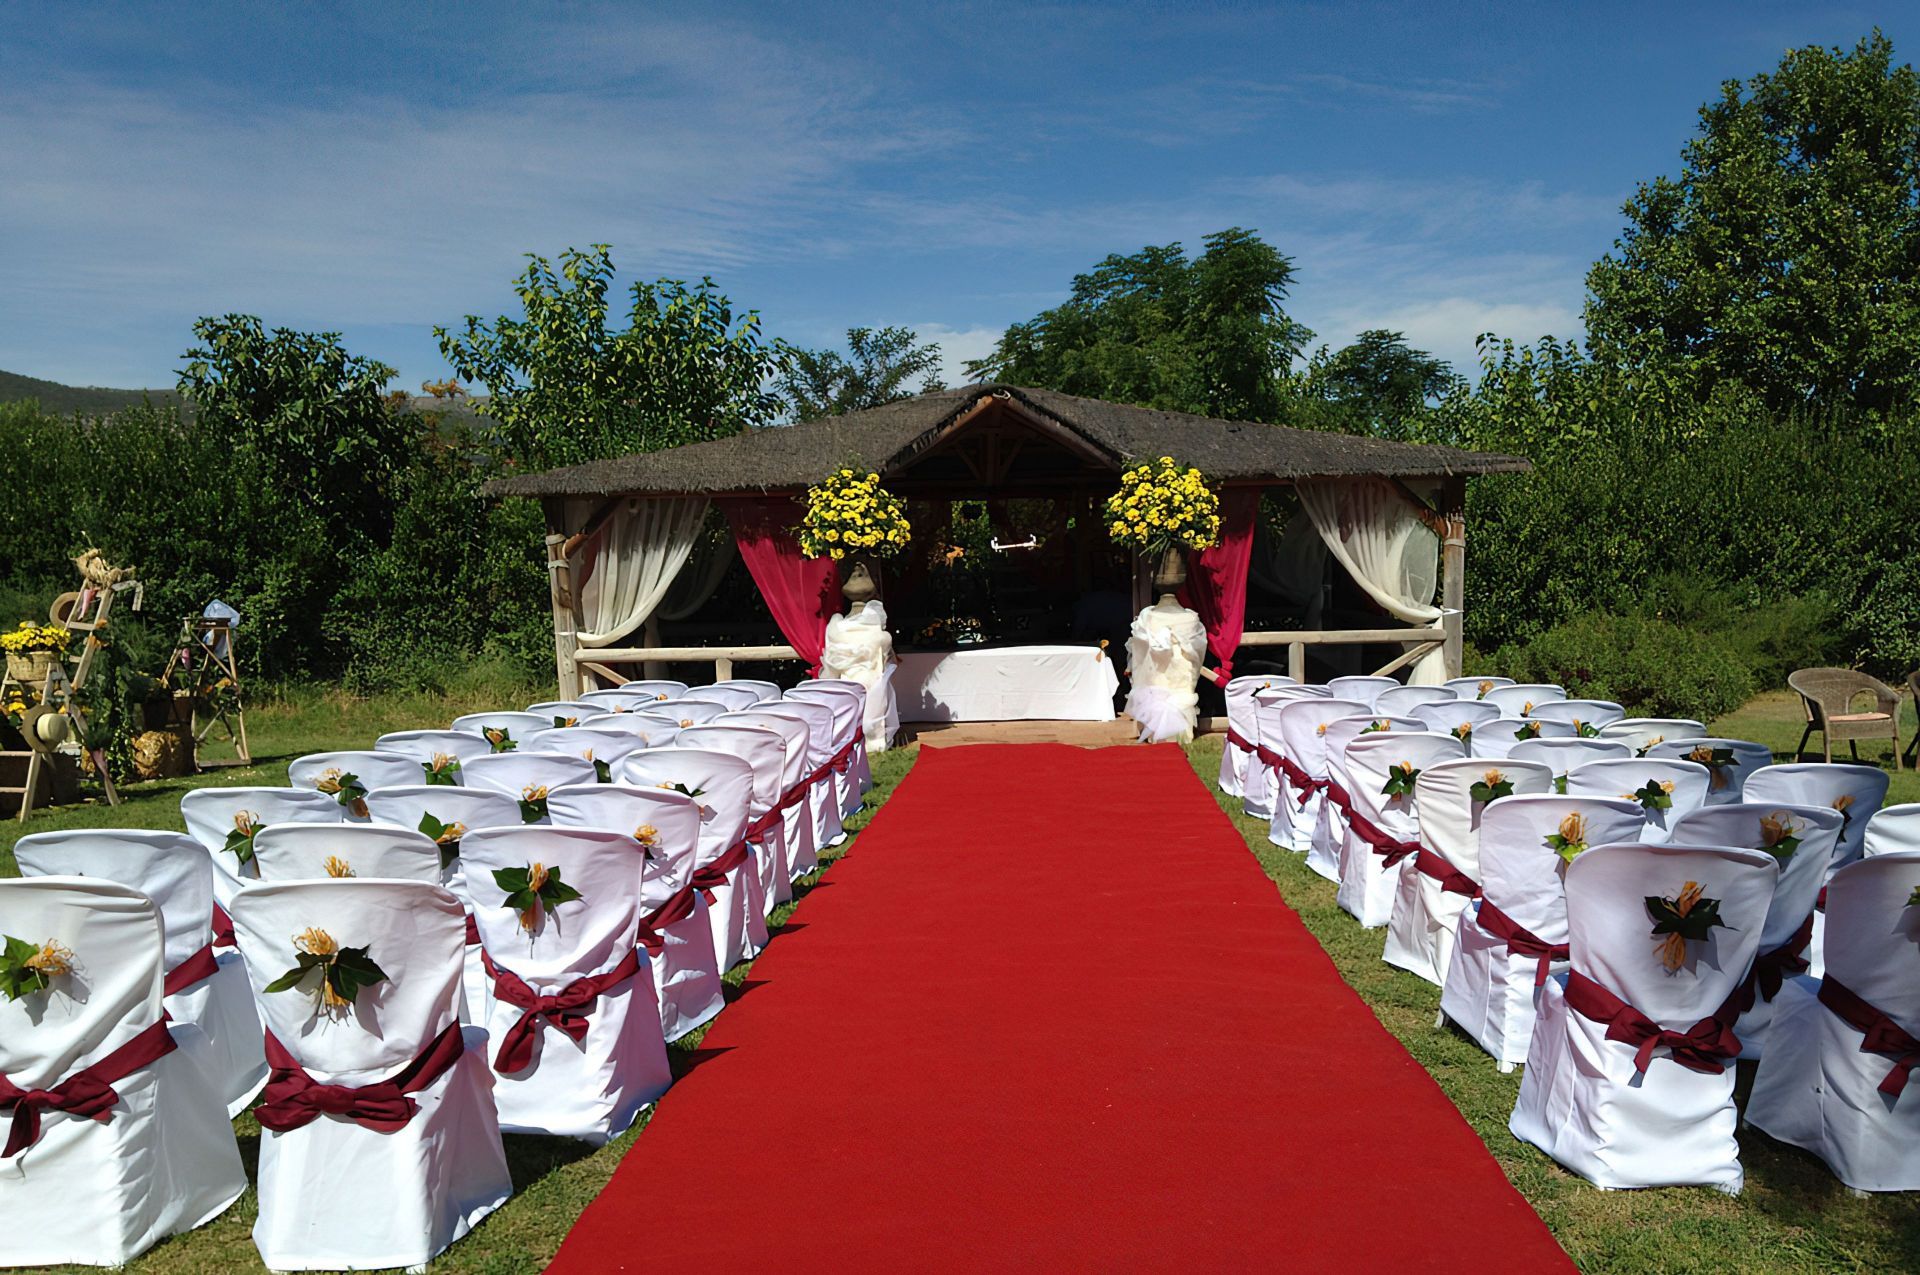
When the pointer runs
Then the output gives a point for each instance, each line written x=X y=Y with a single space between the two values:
x=65 y=400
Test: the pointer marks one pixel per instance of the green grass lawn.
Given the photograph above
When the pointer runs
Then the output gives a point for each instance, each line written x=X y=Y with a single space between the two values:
x=1793 y=1216
x=553 y=1178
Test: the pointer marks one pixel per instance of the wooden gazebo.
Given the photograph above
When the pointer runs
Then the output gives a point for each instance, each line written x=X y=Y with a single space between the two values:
x=1004 y=442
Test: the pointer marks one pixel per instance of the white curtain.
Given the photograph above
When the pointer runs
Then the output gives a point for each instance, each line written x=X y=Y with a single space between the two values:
x=1374 y=532
x=640 y=548
x=713 y=552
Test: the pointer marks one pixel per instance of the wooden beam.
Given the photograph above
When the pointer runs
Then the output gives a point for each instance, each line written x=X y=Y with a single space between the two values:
x=1453 y=570
x=1405 y=658
x=560 y=596
x=690 y=654
x=1341 y=637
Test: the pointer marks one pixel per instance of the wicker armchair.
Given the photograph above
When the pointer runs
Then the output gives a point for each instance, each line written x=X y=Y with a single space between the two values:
x=1913 y=745
x=1828 y=696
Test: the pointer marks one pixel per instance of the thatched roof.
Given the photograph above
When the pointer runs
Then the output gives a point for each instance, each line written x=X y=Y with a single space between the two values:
x=890 y=437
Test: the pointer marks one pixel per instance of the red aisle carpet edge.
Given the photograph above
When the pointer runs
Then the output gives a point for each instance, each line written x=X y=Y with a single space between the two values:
x=1050 y=1014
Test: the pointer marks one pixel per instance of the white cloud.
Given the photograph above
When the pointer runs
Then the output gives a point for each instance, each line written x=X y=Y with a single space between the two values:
x=957 y=345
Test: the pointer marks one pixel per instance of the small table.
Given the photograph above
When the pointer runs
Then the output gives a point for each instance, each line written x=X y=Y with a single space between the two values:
x=1007 y=684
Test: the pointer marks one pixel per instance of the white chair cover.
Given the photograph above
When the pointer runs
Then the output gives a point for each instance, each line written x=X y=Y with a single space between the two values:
x=686 y=968
x=1236 y=754
x=823 y=799
x=1584 y=1100
x=1594 y=713
x=857 y=692
x=849 y=708
x=1857 y=792
x=1303 y=729
x=590 y=744
x=723 y=785
x=764 y=689
x=164 y=1160
x=1893 y=830
x=593 y=1088
x=1366 y=689
x=173 y=871
x=803 y=854
x=1368 y=884
x=1729 y=781
x=209 y=814
x=1427 y=908
x=652 y=729
x=1819 y=1087
x=1621 y=779
x=629 y=694
x=1497 y=738
x=734 y=697
x=1519 y=698
x=521 y=773
x=1491 y=990
x=299 y=852
x=1447 y=717
x=1788 y=929
x=334 y=1193
x=1475 y=687
x=691 y=711
x=1642 y=733
x=423 y=745
x=766 y=752
x=1568 y=755
x=563 y=713
x=1281 y=796
x=1404 y=699
x=517 y=725
x=372 y=769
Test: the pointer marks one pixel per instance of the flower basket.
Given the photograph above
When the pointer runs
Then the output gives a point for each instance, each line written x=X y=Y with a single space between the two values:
x=30 y=668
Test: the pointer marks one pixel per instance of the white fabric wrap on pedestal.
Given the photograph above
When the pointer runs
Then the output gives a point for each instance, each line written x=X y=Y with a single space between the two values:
x=860 y=649
x=1373 y=531
x=643 y=545
x=1164 y=655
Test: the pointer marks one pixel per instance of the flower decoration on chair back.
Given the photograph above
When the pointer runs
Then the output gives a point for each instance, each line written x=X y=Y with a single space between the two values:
x=649 y=838
x=445 y=835
x=1527 y=729
x=1491 y=787
x=1376 y=726
x=1844 y=804
x=1570 y=839
x=1484 y=688
x=533 y=803
x=1688 y=916
x=1585 y=729
x=1162 y=505
x=1655 y=794
x=851 y=514
x=344 y=787
x=335 y=866
x=333 y=975
x=1400 y=777
x=499 y=739
x=443 y=770
x=561 y=723
x=533 y=891
x=239 y=843
x=1464 y=733
x=1779 y=835
x=1716 y=760
x=27 y=967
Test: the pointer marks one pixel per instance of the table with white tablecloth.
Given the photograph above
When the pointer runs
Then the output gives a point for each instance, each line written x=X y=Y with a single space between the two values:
x=1007 y=684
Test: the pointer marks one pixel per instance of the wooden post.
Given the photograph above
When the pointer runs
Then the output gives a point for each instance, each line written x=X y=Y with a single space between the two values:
x=565 y=644
x=723 y=669
x=1297 y=662
x=1453 y=569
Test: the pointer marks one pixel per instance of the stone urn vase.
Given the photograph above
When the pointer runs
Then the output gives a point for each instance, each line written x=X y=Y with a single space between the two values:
x=859 y=585
x=1170 y=571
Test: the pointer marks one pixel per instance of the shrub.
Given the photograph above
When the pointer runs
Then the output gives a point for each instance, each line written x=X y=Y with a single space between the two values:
x=1653 y=667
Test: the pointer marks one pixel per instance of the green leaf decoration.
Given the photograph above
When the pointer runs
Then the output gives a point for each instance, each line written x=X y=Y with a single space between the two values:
x=1913 y=900
x=499 y=739
x=1527 y=730
x=1463 y=732
x=1485 y=790
x=445 y=835
x=561 y=723
x=1560 y=784
x=685 y=791
x=533 y=806
x=602 y=773
x=1779 y=835
x=1653 y=795
x=1373 y=727
x=1400 y=780
x=344 y=971
x=533 y=889
x=239 y=842
x=443 y=770
x=1689 y=916
x=26 y=968
x=1586 y=730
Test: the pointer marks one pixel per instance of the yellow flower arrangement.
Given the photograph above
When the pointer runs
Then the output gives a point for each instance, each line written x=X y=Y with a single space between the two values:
x=35 y=637
x=1162 y=506
x=852 y=514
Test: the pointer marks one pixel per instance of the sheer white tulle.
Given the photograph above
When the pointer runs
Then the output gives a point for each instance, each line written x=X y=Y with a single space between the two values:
x=641 y=548
x=859 y=649
x=1375 y=533
x=1164 y=655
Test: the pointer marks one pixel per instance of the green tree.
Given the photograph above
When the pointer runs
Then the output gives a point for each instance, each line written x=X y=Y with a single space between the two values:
x=1786 y=255
x=1159 y=329
x=1378 y=385
x=880 y=363
x=564 y=387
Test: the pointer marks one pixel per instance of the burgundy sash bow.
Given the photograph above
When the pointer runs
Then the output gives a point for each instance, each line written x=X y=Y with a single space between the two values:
x=712 y=876
x=1238 y=740
x=1451 y=879
x=567 y=1009
x=1771 y=969
x=1707 y=1046
x=196 y=969
x=1520 y=940
x=87 y=1093
x=473 y=931
x=292 y=1098
x=222 y=928
x=759 y=830
x=1880 y=1034
x=1388 y=847
x=1338 y=796
x=674 y=910
x=1304 y=784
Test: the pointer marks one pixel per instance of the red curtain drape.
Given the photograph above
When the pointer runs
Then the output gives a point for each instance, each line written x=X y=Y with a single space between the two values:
x=1216 y=586
x=803 y=593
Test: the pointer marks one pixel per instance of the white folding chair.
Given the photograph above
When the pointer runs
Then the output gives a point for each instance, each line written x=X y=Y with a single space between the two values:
x=674 y=925
x=1857 y=792
x=318 y=852
x=1365 y=689
x=1383 y=829
x=431 y=749
x=653 y=730
x=91 y=1176
x=1834 y=1079
x=562 y=713
x=602 y=749
x=504 y=729
x=1237 y=753
x=1565 y=756
x=803 y=854
x=1303 y=731
x=856 y=692
x=766 y=823
x=1893 y=830
x=727 y=872
x=1269 y=757
x=528 y=777
x=1729 y=760
x=633 y=694
x=689 y=712
x=214 y=815
x=823 y=791
x=204 y=989
x=849 y=738
x=1519 y=698
x=1587 y=716
x=1683 y=783
x=1496 y=739
x=1655 y=1106
x=574 y=1028
x=349 y=776
x=1332 y=827
x=1475 y=688
x=1642 y=733
x=414 y=1161
x=1456 y=717
x=1445 y=875
x=1788 y=929
x=1404 y=699
x=1515 y=934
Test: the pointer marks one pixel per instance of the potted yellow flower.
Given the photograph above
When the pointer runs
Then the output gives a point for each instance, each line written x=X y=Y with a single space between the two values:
x=1164 y=510
x=32 y=650
x=850 y=516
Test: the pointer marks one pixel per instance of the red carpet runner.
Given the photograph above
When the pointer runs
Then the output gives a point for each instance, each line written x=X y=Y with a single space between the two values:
x=1049 y=1015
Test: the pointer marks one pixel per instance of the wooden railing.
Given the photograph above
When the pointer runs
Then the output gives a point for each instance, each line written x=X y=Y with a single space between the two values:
x=596 y=659
x=1418 y=641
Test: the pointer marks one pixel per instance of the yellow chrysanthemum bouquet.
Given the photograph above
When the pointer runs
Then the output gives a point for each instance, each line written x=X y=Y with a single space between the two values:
x=850 y=515
x=35 y=637
x=1162 y=505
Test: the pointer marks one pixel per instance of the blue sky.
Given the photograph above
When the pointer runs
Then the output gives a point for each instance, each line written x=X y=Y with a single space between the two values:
x=380 y=168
